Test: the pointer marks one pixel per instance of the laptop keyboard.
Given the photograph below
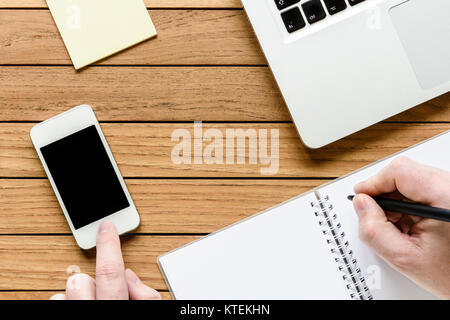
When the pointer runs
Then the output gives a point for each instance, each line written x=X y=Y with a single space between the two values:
x=313 y=11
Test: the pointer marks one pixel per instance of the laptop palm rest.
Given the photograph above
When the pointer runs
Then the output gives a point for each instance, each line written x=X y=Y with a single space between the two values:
x=424 y=30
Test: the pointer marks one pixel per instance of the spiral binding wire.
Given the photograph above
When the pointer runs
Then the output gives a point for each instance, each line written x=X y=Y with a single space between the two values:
x=340 y=248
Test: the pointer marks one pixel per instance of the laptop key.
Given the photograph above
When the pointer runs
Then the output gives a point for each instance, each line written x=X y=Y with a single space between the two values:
x=334 y=6
x=313 y=11
x=282 y=4
x=353 y=2
x=293 y=19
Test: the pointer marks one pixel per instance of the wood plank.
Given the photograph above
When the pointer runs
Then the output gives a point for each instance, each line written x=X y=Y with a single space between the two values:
x=437 y=109
x=45 y=295
x=40 y=262
x=165 y=206
x=144 y=150
x=184 y=37
x=160 y=94
x=143 y=93
x=148 y=3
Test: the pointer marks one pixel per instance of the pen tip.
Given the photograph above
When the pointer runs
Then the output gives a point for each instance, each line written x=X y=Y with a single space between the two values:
x=350 y=198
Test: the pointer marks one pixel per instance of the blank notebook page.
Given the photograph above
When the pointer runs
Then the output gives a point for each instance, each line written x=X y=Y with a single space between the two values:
x=384 y=282
x=278 y=254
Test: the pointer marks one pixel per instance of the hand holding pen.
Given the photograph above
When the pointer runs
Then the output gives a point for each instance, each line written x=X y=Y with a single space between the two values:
x=415 y=246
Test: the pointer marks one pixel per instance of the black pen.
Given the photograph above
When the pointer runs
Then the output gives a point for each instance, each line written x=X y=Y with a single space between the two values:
x=413 y=209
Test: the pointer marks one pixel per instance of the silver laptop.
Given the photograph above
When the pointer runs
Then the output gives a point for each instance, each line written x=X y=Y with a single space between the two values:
x=343 y=65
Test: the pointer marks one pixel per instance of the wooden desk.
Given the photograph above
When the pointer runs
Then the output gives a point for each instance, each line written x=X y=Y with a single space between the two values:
x=205 y=65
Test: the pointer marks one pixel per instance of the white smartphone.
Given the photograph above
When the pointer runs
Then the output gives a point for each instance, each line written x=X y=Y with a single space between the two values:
x=84 y=174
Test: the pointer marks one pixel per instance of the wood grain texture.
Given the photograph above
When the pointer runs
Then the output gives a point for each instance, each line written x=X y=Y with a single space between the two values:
x=160 y=94
x=148 y=3
x=45 y=295
x=205 y=37
x=144 y=150
x=144 y=93
x=204 y=65
x=165 y=206
x=40 y=262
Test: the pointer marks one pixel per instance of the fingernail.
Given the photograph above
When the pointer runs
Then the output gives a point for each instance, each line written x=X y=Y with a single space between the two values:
x=132 y=277
x=157 y=294
x=106 y=226
x=359 y=204
x=74 y=281
x=358 y=186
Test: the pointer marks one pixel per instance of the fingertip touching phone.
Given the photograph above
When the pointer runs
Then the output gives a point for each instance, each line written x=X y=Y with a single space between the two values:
x=83 y=174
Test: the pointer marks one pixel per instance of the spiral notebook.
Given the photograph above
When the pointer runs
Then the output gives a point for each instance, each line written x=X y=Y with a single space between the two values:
x=305 y=248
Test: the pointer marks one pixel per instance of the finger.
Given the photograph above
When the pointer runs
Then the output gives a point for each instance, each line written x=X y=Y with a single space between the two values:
x=405 y=224
x=393 y=217
x=110 y=273
x=415 y=219
x=138 y=290
x=434 y=228
x=378 y=233
x=58 y=296
x=80 y=286
x=414 y=181
x=385 y=180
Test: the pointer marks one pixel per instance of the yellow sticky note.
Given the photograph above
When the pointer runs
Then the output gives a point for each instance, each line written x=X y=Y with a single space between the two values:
x=95 y=29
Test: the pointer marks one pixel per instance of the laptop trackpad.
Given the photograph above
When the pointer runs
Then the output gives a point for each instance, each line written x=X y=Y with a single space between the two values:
x=423 y=27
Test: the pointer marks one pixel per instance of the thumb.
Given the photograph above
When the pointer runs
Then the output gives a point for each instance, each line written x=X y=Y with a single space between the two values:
x=138 y=290
x=378 y=232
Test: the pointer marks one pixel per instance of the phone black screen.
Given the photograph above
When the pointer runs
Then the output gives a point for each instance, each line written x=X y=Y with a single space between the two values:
x=84 y=177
